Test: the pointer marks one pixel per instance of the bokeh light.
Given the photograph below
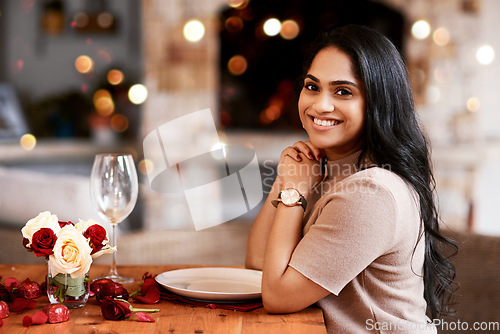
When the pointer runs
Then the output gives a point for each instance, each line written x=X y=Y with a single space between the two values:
x=433 y=94
x=272 y=27
x=237 y=65
x=194 y=30
x=103 y=102
x=145 y=166
x=421 y=29
x=105 y=20
x=119 y=123
x=234 y=24
x=115 y=77
x=27 y=142
x=240 y=4
x=137 y=94
x=441 y=75
x=485 y=54
x=289 y=29
x=473 y=104
x=84 y=64
x=80 y=20
x=441 y=36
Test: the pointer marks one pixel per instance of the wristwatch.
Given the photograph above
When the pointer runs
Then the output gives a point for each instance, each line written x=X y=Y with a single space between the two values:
x=290 y=197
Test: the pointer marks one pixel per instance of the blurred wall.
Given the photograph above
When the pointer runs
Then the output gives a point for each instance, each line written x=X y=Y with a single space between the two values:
x=39 y=64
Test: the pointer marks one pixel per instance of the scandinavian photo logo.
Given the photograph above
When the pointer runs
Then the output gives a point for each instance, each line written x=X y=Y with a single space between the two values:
x=219 y=182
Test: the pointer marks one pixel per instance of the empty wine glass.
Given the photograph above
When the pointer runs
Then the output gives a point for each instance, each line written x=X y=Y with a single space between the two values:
x=114 y=189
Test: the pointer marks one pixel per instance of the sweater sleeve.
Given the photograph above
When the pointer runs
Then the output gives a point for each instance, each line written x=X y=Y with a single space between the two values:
x=355 y=227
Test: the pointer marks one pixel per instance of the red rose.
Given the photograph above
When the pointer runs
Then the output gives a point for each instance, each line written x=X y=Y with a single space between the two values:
x=26 y=241
x=113 y=309
x=4 y=293
x=42 y=242
x=62 y=224
x=97 y=235
x=111 y=289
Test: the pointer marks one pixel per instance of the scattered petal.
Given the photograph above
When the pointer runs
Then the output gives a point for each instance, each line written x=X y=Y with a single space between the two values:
x=31 y=304
x=144 y=317
x=18 y=304
x=27 y=321
x=11 y=282
x=39 y=318
x=151 y=297
x=148 y=282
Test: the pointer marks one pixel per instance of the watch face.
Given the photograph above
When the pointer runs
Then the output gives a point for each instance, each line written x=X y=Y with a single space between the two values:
x=290 y=196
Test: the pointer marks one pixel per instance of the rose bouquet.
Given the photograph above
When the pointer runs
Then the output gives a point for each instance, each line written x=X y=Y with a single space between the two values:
x=69 y=249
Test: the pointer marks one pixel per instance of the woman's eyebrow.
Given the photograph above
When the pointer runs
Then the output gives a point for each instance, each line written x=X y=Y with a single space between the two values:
x=333 y=83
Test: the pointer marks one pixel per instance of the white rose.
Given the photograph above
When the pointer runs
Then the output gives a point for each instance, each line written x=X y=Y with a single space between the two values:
x=83 y=225
x=71 y=253
x=44 y=219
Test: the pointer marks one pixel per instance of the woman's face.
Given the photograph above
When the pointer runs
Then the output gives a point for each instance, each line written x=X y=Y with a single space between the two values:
x=332 y=104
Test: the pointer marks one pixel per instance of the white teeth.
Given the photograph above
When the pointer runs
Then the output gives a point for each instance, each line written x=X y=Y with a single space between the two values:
x=326 y=122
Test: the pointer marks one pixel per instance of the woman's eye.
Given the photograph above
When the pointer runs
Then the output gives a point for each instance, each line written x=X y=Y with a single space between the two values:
x=343 y=92
x=310 y=86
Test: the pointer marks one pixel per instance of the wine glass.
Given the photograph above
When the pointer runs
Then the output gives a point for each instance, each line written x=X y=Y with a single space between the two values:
x=113 y=190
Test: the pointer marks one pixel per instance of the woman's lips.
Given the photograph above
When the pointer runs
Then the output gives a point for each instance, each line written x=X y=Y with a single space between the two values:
x=324 y=124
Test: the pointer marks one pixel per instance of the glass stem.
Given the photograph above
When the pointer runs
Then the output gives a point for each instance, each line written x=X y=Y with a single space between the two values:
x=113 y=271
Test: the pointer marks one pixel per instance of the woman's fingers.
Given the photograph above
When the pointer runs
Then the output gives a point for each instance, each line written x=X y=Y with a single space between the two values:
x=317 y=152
x=309 y=150
x=292 y=153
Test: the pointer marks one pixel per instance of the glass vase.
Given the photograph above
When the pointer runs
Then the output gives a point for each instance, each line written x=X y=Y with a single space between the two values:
x=66 y=290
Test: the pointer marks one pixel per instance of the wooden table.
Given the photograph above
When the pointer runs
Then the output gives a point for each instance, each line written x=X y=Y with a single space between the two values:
x=174 y=317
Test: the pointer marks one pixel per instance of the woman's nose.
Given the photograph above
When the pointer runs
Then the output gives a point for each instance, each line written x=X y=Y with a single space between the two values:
x=323 y=103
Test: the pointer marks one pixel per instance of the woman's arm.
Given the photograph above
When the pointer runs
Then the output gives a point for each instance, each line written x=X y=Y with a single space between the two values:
x=283 y=288
x=259 y=232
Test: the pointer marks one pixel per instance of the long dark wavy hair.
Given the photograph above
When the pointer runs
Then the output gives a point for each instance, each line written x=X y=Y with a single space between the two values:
x=393 y=137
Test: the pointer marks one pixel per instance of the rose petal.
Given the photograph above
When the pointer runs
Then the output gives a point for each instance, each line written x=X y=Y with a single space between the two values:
x=11 y=282
x=18 y=304
x=31 y=304
x=152 y=296
x=39 y=318
x=148 y=282
x=27 y=321
x=143 y=317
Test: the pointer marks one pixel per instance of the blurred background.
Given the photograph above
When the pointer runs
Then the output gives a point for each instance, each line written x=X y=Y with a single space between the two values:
x=80 y=77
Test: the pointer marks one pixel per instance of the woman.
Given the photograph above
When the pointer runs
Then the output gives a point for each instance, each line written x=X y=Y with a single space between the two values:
x=359 y=236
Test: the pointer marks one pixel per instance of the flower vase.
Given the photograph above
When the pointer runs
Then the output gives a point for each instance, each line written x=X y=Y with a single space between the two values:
x=66 y=290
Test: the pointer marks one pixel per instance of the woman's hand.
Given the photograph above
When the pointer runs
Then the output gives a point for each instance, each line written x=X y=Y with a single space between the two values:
x=300 y=168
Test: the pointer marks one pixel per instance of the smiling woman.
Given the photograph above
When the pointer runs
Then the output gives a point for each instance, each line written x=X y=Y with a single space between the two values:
x=330 y=244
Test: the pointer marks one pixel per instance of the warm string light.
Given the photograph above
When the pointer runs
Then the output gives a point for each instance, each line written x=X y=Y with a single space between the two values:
x=84 y=64
x=27 y=142
x=421 y=29
x=485 y=54
x=194 y=30
x=137 y=94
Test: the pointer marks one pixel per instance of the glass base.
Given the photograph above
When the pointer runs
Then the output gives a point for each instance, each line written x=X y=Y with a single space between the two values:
x=116 y=278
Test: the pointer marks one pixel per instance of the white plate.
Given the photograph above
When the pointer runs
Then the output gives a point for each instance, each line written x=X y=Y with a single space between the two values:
x=213 y=283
